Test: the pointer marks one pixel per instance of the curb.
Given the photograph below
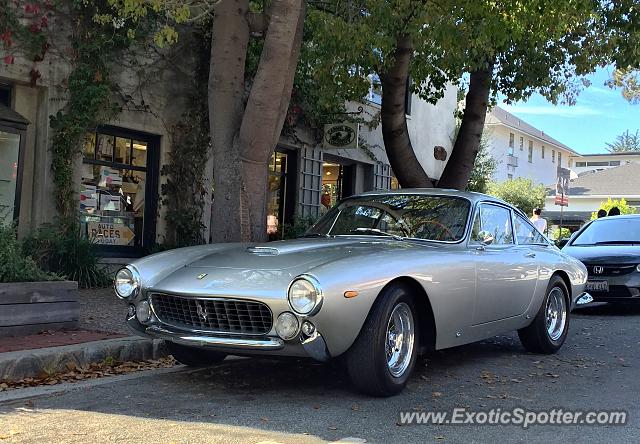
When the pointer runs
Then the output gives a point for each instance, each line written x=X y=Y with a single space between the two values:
x=18 y=365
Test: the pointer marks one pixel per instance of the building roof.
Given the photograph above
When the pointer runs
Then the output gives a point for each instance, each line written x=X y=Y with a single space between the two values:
x=501 y=115
x=615 y=182
x=622 y=153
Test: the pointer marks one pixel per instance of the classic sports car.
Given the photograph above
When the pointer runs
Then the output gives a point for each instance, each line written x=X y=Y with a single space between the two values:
x=380 y=278
x=610 y=249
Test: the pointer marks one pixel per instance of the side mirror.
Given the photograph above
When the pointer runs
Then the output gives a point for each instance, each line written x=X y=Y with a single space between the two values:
x=485 y=238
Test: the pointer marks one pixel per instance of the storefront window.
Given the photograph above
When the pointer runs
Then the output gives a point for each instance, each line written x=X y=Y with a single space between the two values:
x=276 y=204
x=115 y=175
x=9 y=158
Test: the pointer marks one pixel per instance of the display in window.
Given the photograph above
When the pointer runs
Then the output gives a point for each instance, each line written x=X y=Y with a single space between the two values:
x=112 y=197
x=88 y=198
x=9 y=153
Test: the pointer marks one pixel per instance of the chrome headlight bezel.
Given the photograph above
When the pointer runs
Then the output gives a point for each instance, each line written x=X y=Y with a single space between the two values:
x=638 y=268
x=314 y=295
x=131 y=275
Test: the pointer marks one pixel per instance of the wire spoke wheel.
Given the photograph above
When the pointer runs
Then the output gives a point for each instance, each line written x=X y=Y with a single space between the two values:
x=400 y=336
x=556 y=314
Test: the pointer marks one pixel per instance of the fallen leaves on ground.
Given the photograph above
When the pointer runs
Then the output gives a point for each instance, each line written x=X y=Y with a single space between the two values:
x=91 y=371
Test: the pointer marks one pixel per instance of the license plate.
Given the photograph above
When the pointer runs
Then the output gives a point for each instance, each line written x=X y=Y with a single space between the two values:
x=597 y=286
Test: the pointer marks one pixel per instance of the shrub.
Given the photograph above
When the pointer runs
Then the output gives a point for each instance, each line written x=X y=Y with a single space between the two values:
x=610 y=203
x=67 y=253
x=298 y=227
x=521 y=193
x=15 y=266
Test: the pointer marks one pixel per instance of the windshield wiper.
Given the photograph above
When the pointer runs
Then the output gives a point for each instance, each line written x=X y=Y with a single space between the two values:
x=379 y=232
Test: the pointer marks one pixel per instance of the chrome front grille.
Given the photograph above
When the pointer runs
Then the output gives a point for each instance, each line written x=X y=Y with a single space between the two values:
x=220 y=315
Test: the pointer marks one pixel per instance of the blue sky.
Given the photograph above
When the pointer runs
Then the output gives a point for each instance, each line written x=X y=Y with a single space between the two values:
x=599 y=115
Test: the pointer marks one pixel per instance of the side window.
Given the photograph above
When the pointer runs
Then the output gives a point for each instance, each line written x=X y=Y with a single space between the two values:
x=492 y=225
x=526 y=233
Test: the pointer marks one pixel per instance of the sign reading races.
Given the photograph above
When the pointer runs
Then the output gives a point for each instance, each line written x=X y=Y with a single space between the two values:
x=109 y=234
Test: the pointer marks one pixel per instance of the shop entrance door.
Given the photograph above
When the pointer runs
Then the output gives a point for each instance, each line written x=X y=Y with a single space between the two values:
x=338 y=182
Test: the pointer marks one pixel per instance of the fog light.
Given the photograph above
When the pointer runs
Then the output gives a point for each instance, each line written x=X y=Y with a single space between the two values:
x=308 y=328
x=131 y=312
x=143 y=311
x=287 y=325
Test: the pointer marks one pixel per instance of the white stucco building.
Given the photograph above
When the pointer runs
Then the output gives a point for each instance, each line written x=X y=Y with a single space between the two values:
x=522 y=150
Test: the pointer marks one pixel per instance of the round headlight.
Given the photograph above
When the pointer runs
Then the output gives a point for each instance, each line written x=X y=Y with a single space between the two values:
x=287 y=325
x=638 y=267
x=304 y=296
x=126 y=283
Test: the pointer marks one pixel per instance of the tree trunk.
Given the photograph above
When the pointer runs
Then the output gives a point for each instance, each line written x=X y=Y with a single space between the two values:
x=397 y=143
x=465 y=149
x=229 y=41
x=245 y=137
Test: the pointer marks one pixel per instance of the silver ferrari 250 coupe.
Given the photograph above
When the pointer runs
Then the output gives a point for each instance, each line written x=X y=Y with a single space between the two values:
x=379 y=279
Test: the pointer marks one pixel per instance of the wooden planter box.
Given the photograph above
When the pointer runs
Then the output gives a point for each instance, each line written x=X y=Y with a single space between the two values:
x=31 y=307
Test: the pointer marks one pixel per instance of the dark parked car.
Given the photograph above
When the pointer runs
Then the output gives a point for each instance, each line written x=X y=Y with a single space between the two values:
x=610 y=249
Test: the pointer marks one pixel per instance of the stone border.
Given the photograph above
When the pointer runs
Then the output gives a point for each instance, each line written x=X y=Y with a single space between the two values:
x=31 y=307
x=18 y=365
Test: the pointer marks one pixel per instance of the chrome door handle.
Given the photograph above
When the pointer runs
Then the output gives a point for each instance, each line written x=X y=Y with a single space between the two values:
x=531 y=255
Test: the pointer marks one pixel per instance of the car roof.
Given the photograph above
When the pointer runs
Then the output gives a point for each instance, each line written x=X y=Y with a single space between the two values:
x=470 y=195
x=619 y=216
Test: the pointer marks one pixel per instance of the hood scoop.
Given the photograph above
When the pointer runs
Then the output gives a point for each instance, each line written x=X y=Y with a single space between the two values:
x=263 y=251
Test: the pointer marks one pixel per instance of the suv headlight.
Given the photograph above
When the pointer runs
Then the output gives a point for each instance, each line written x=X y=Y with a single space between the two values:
x=305 y=295
x=127 y=283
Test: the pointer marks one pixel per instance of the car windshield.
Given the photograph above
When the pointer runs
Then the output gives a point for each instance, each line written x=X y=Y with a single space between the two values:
x=610 y=231
x=435 y=218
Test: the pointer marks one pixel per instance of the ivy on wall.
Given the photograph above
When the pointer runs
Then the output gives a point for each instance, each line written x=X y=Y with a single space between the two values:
x=89 y=87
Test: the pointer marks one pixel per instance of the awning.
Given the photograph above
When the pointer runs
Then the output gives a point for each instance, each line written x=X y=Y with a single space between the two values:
x=7 y=115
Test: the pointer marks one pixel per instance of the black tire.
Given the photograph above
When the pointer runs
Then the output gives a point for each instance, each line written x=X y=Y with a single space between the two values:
x=366 y=360
x=535 y=338
x=194 y=356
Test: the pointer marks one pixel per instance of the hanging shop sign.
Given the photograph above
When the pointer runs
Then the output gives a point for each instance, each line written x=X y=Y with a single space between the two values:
x=340 y=135
x=102 y=233
x=562 y=187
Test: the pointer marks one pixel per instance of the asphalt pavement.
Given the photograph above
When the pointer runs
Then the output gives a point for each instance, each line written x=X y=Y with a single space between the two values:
x=259 y=400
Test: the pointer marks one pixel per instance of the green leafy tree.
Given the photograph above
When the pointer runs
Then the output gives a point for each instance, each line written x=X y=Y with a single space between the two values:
x=628 y=80
x=484 y=167
x=521 y=193
x=625 y=142
x=512 y=48
x=610 y=203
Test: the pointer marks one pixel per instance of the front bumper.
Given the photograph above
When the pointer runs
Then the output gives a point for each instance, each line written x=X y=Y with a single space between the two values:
x=198 y=340
x=313 y=346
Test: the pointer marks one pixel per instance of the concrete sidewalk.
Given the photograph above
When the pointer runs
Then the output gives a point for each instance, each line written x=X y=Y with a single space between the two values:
x=17 y=365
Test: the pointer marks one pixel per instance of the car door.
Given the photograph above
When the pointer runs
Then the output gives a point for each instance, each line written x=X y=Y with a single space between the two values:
x=503 y=283
x=532 y=248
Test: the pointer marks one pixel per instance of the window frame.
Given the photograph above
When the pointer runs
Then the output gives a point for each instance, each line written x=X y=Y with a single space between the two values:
x=21 y=130
x=152 y=176
x=477 y=211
